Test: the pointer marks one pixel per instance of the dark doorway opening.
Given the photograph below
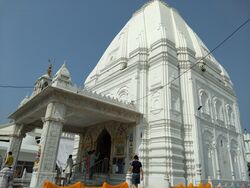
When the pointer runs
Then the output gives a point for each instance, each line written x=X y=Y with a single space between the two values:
x=103 y=148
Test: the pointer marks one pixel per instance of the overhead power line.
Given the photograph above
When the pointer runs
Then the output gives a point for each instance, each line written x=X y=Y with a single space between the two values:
x=217 y=46
x=16 y=87
x=191 y=67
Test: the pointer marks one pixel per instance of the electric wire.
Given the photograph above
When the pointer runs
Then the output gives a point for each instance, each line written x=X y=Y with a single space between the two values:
x=210 y=52
x=16 y=87
x=174 y=79
x=221 y=43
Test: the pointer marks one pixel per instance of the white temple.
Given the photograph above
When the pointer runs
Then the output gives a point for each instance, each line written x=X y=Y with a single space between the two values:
x=155 y=92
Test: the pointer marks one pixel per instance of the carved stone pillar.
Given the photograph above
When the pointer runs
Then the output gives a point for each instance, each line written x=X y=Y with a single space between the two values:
x=231 y=162
x=217 y=167
x=50 y=138
x=242 y=167
x=127 y=160
x=16 y=142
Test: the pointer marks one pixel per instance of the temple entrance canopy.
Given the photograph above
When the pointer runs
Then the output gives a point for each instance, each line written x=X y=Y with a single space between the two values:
x=87 y=114
x=76 y=109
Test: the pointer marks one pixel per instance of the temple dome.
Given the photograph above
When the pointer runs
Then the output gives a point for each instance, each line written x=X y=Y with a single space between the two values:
x=154 y=21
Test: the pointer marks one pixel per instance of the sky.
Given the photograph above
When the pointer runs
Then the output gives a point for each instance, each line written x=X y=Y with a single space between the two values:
x=79 y=31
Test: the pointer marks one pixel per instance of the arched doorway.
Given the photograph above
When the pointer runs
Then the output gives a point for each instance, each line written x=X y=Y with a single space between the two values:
x=103 y=147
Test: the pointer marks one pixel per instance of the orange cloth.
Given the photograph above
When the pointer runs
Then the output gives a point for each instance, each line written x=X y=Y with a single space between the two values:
x=121 y=185
x=191 y=185
x=208 y=185
x=52 y=185
x=180 y=185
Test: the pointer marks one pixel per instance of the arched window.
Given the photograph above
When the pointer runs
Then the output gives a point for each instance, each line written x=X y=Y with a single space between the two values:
x=204 y=101
x=234 y=156
x=155 y=103
x=230 y=115
x=223 y=157
x=45 y=84
x=207 y=140
x=218 y=109
x=123 y=94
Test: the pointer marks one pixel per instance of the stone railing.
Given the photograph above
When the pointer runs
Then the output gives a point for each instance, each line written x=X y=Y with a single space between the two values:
x=108 y=99
x=228 y=183
x=69 y=136
x=201 y=185
x=93 y=94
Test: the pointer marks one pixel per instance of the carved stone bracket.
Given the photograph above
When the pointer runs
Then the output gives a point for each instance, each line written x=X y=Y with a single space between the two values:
x=54 y=119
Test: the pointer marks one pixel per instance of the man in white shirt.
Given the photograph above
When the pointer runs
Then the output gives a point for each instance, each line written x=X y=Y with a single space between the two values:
x=68 y=169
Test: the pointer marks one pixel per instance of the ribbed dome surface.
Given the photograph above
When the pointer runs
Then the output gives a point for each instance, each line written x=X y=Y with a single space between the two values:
x=154 y=21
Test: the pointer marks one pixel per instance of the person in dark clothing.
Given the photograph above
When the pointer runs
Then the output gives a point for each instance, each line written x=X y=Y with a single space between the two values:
x=137 y=172
x=93 y=158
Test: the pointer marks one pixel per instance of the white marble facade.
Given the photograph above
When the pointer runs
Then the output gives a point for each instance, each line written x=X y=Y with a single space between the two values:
x=191 y=129
x=157 y=88
x=246 y=137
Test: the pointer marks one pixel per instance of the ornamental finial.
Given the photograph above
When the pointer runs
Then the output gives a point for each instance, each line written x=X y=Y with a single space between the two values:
x=49 y=70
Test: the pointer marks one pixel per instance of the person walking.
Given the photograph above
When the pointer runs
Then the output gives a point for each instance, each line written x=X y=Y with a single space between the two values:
x=68 y=169
x=87 y=164
x=93 y=158
x=137 y=172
